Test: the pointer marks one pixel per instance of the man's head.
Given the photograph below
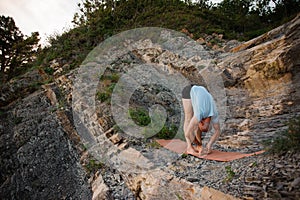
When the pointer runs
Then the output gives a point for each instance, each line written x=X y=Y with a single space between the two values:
x=204 y=124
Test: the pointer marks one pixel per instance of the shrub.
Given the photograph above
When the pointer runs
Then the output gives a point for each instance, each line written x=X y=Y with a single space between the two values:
x=106 y=94
x=153 y=145
x=103 y=96
x=49 y=70
x=93 y=165
x=167 y=132
x=114 y=77
x=288 y=140
x=140 y=116
x=230 y=174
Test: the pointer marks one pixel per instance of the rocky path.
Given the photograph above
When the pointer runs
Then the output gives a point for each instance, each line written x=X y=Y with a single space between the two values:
x=255 y=177
x=258 y=177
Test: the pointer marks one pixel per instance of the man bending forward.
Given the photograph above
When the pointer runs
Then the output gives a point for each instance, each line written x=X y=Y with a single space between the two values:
x=199 y=112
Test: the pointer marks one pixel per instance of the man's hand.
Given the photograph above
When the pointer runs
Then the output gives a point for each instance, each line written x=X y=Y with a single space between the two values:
x=208 y=147
x=205 y=151
x=213 y=138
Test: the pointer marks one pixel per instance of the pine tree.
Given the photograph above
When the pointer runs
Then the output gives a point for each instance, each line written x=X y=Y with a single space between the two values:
x=16 y=51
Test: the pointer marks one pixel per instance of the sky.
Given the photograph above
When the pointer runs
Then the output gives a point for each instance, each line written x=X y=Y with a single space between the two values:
x=47 y=17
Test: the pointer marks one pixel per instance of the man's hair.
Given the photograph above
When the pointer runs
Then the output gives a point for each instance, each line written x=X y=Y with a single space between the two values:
x=204 y=124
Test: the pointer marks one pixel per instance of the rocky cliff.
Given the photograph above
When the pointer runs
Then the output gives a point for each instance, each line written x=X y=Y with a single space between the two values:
x=38 y=158
x=43 y=155
x=261 y=78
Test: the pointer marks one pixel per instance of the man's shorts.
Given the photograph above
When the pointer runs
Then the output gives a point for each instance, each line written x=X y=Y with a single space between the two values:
x=186 y=92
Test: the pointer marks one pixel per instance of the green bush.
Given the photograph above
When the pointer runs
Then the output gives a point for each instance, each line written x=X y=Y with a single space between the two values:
x=103 y=96
x=140 y=116
x=153 y=145
x=230 y=173
x=93 y=165
x=167 y=132
x=114 y=77
x=288 y=140
x=111 y=88
x=106 y=94
x=215 y=30
x=49 y=70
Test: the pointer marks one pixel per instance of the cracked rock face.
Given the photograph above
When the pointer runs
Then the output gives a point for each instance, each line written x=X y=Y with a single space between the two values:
x=262 y=77
x=38 y=160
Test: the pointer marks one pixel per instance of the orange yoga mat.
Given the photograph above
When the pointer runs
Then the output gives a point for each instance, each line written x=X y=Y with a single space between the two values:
x=179 y=146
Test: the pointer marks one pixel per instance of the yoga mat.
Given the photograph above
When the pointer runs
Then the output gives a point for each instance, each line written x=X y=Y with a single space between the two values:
x=179 y=146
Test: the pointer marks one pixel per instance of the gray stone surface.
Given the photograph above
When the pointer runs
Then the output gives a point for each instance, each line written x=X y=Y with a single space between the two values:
x=38 y=161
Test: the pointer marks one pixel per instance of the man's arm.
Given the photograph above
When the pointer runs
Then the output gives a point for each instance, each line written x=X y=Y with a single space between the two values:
x=214 y=137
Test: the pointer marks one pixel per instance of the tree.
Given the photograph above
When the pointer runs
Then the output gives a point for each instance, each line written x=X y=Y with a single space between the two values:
x=235 y=13
x=285 y=8
x=263 y=8
x=204 y=4
x=88 y=9
x=16 y=51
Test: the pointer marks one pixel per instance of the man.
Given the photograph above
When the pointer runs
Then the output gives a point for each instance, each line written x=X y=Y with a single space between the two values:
x=199 y=112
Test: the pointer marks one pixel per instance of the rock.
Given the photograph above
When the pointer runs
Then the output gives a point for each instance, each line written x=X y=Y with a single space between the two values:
x=54 y=64
x=212 y=194
x=296 y=182
x=100 y=190
x=115 y=139
x=230 y=45
x=123 y=145
x=38 y=160
x=21 y=87
x=258 y=77
x=152 y=184
x=201 y=40
x=158 y=185
x=192 y=179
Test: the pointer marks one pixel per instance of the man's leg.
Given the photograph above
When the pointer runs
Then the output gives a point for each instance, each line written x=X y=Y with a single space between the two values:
x=188 y=114
x=198 y=140
x=190 y=137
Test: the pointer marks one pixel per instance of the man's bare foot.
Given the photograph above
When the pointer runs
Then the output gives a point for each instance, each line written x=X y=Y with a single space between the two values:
x=196 y=147
x=191 y=150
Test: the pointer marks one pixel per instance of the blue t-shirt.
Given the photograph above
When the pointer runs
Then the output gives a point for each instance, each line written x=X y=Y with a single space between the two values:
x=203 y=104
